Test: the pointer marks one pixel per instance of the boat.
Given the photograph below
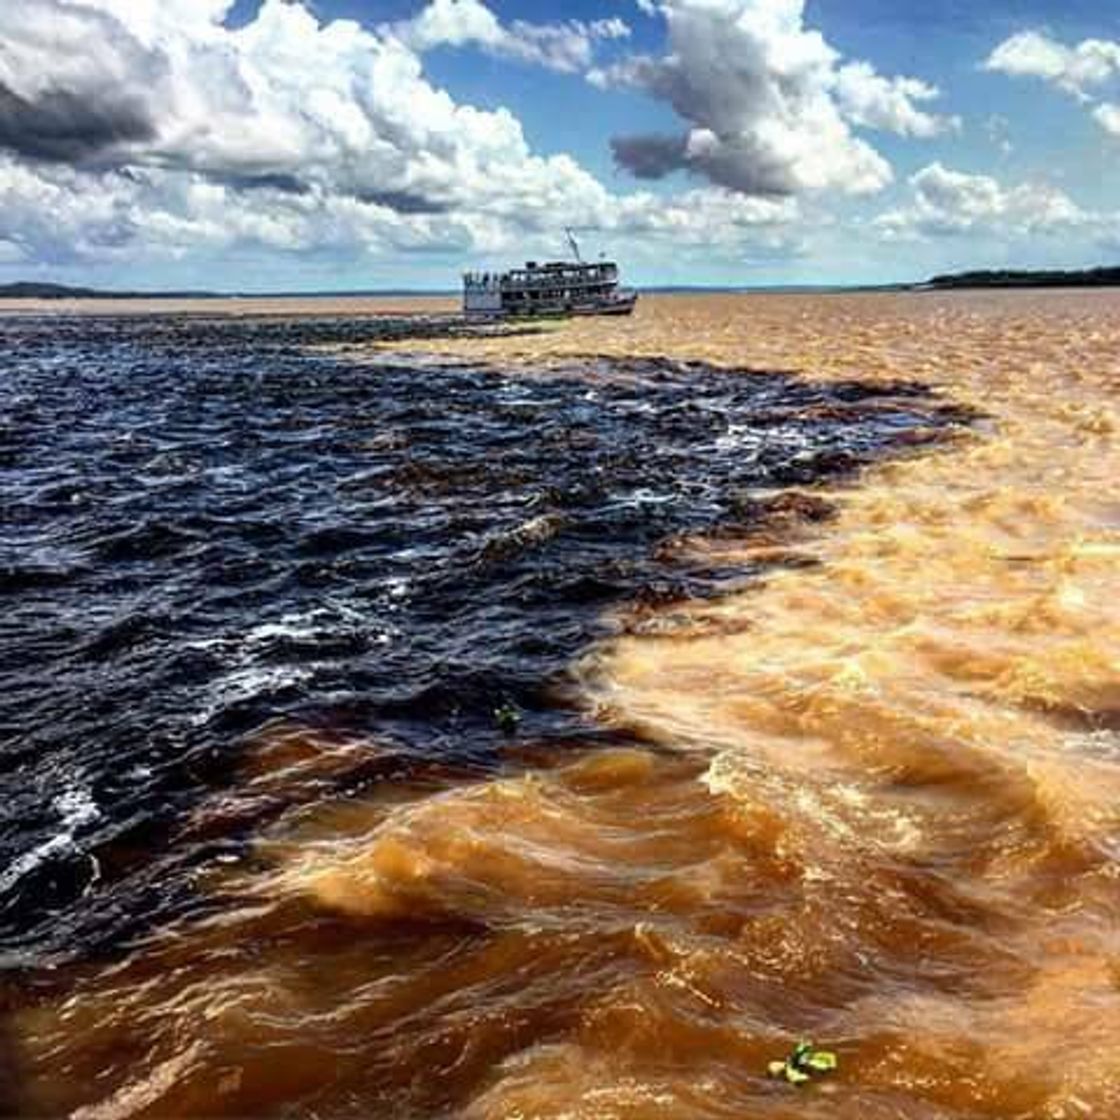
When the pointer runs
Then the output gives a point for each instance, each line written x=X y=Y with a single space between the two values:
x=550 y=289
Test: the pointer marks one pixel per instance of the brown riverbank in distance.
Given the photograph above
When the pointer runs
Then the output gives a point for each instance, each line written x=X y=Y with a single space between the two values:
x=871 y=798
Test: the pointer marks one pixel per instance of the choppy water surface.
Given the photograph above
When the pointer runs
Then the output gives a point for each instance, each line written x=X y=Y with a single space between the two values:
x=779 y=773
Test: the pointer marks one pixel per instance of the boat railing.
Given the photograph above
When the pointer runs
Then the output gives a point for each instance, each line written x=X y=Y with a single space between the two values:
x=483 y=281
x=555 y=282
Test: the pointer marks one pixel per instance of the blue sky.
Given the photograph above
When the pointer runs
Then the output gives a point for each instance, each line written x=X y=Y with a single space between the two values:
x=339 y=144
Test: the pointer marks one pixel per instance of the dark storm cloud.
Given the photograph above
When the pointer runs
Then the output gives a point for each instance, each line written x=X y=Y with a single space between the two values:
x=403 y=202
x=262 y=181
x=649 y=157
x=63 y=127
x=739 y=163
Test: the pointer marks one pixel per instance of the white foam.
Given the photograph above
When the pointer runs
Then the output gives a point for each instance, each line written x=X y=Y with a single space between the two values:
x=398 y=587
x=740 y=437
x=245 y=683
x=246 y=677
x=75 y=807
x=300 y=625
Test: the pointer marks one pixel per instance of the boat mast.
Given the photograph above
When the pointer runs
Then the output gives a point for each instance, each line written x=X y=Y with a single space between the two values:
x=573 y=243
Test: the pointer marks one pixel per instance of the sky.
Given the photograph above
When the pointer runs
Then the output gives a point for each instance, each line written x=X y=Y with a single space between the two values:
x=299 y=145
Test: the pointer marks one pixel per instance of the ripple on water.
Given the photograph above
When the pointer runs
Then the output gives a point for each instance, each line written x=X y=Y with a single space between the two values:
x=394 y=548
x=330 y=885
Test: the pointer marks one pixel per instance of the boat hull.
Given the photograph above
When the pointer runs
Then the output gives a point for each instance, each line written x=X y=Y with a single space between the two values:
x=622 y=306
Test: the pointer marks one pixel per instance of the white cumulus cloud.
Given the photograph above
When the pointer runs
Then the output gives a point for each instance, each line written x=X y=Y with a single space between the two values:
x=768 y=105
x=946 y=202
x=889 y=104
x=133 y=127
x=1107 y=115
x=567 y=46
x=1076 y=69
x=1080 y=70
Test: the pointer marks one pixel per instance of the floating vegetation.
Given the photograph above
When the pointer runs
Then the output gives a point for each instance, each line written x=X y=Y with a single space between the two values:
x=507 y=718
x=803 y=1063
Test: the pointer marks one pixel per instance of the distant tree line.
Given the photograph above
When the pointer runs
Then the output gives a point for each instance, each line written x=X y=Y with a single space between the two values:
x=1027 y=278
x=30 y=289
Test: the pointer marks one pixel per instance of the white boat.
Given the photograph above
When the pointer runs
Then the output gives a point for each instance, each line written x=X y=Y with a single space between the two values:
x=547 y=290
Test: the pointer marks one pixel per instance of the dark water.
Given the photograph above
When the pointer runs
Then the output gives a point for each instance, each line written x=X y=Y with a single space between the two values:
x=205 y=527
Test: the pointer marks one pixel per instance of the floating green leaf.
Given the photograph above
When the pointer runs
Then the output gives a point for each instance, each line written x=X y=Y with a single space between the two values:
x=507 y=717
x=803 y=1061
x=821 y=1061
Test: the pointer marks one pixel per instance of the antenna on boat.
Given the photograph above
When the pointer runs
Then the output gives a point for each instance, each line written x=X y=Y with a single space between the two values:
x=573 y=243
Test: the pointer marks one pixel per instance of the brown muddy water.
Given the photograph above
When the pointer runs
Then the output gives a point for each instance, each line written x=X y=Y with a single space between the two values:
x=837 y=755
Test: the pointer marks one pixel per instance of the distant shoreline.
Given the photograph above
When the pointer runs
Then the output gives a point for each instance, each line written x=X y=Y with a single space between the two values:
x=37 y=291
x=1026 y=278
x=34 y=290
x=1101 y=277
